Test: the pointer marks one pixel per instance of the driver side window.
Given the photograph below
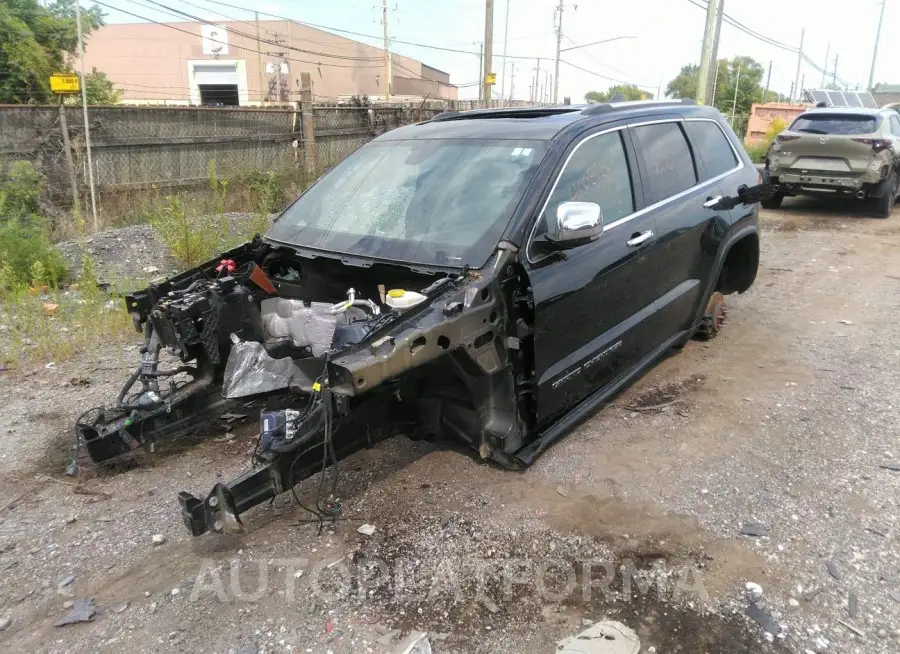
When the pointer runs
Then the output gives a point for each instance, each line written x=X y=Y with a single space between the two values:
x=597 y=172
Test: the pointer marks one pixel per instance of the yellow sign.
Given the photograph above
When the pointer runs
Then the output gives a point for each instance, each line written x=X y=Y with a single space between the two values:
x=61 y=83
x=490 y=78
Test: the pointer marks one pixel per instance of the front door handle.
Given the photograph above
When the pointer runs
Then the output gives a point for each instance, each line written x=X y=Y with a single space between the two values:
x=638 y=240
x=712 y=202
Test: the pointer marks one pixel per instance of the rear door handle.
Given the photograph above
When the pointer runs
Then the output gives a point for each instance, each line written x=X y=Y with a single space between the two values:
x=638 y=240
x=712 y=202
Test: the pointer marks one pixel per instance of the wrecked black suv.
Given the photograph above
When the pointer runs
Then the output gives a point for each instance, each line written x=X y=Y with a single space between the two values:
x=490 y=276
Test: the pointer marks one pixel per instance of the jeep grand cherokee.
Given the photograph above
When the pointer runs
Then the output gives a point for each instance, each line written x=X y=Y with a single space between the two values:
x=490 y=276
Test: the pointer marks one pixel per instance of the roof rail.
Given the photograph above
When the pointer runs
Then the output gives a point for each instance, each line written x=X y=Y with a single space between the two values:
x=506 y=112
x=604 y=107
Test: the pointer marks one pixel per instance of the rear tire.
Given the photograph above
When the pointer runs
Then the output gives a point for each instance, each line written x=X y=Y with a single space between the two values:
x=884 y=204
x=773 y=202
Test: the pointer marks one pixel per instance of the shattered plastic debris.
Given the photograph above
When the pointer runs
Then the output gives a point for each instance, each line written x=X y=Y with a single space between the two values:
x=250 y=370
x=367 y=530
x=763 y=618
x=416 y=643
x=83 y=611
x=607 y=637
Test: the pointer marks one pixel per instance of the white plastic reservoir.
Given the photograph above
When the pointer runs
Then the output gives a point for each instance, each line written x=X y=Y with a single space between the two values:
x=401 y=300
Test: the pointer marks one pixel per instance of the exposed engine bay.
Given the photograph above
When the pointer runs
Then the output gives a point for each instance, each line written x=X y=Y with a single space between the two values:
x=361 y=351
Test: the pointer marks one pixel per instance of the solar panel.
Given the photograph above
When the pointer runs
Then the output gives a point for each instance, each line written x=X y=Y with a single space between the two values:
x=836 y=99
x=820 y=96
x=853 y=99
x=867 y=100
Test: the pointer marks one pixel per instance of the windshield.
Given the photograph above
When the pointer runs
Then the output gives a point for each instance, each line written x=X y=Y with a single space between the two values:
x=442 y=202
x=846 y=124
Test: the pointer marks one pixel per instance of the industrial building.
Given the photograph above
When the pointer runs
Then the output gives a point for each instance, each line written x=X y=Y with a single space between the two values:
x=252 y=63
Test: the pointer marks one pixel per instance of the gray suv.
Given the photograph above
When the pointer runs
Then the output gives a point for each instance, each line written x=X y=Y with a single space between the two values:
x=838 y=153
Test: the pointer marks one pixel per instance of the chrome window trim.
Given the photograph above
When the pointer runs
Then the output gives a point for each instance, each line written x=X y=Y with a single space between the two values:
x=621 y=221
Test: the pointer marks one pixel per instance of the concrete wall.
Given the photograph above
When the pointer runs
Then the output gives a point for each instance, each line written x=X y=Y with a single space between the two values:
x=153 y=63
x=762 y=115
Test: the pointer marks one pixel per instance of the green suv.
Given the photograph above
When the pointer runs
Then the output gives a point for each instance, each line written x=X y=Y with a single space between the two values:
x=838 y=153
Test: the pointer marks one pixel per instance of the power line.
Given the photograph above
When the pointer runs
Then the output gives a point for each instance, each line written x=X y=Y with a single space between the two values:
x=238 y=47
x=611 y=79
x=250 y=36
x=414 y=75
x=702 y=4
x=368 y=36
x=602 y=63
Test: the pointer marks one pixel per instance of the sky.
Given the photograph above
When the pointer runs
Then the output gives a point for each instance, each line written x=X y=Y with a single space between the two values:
x=667 y=34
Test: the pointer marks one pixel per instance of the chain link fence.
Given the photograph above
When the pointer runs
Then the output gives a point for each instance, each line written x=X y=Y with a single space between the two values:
x=139 y=153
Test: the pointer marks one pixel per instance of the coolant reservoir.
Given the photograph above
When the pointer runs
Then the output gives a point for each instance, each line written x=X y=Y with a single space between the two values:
x=402 y=300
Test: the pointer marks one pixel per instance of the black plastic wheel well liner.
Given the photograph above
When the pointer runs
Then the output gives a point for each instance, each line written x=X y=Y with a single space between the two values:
x=740 y=265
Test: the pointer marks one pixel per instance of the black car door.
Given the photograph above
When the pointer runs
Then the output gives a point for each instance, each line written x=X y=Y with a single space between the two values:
x=682 y=182
x=592 y=302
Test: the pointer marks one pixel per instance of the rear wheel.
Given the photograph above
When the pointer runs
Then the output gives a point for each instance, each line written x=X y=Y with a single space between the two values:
x=884 y=203
x=773 y=202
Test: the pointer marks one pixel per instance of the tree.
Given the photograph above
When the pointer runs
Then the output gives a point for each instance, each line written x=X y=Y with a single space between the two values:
x=100 y=89
x=685 y=84
x=748 y=89
x=35 y=42
x=627 y=91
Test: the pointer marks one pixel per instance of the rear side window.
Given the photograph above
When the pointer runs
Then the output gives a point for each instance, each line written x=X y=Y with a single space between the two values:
x=667 y=158
x=597 y=172
x=838 y=124
x=711 y=146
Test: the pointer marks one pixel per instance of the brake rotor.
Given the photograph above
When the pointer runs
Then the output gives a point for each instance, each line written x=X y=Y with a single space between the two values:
x=715 y=312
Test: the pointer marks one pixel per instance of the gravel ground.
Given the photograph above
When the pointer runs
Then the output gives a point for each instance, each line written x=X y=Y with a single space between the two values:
x=127 y=253
x=781 y=427
x=132 y=253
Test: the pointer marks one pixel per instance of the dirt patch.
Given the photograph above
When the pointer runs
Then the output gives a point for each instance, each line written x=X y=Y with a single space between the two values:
x=662 y=397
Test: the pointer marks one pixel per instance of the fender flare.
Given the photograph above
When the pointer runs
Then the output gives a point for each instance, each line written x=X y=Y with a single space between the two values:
x=727 y=243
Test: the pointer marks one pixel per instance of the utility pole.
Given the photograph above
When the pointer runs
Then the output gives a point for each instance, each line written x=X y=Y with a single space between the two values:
x=387 y=52
x=260 y=70
x=488 y=50
x=769 y=81
x=834 y=74
x=480 y=68
x=708 y=32
x=825 y=71
x=87 y=127
x=799 y=61
x=537 y=77
x=877 y=39
x=559 y=16
x=512 y=83
x=714 y=57
x=801 y=87
x=737 y=85
x=505 y=34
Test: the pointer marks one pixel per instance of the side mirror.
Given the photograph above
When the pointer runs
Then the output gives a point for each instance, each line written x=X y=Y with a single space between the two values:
x=577 y=223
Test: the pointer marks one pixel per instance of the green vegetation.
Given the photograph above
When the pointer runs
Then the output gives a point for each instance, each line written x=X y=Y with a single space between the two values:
x=38 y=41
x=758 y=151
x=38 y=320
x=749 y=85
x=195 y=226
x=26 y=254
x=627 y=91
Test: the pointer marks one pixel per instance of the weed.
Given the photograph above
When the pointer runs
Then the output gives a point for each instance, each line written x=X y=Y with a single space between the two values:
x=41 y=322
x=192 y=239
x=25 y=250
